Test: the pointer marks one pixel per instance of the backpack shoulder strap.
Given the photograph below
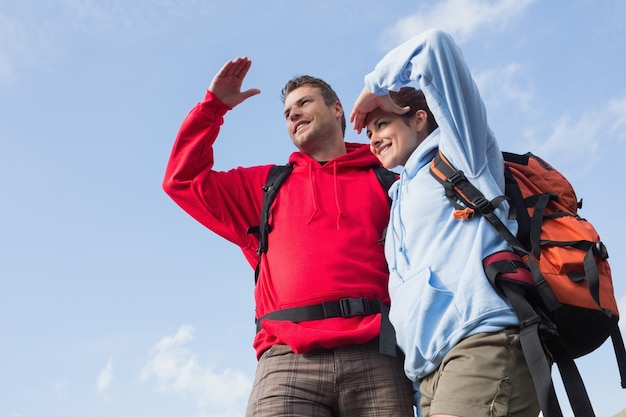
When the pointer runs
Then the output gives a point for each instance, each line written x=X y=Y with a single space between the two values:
x=275 y=178
x=346 y=307
x=516 y=199
x=385 y=177
x=468 y=200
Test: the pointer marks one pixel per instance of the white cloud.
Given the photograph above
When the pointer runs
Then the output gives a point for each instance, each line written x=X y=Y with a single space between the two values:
x=617 y=113
x=32 y=34
x=174 y=368
x=591 y=130
x=585 y=128
x=61 y=389
x=461 y=18
x=93 y=16
x=14 y=44
x=503 y=87
x=106 y=376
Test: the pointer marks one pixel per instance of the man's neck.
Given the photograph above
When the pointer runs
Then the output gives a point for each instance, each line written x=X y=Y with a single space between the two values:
x=325 y=155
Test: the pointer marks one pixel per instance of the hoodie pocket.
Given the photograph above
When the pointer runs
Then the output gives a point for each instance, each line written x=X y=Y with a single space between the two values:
x=423 y=314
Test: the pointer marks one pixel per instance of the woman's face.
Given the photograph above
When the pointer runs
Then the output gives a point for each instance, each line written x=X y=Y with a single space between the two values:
x=393 y=138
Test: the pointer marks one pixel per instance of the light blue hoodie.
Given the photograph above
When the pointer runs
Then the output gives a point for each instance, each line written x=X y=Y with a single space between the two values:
x=439 y=292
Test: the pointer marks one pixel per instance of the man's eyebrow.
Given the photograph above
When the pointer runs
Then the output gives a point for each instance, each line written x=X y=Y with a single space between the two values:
x=298 y=102
x=301 y=99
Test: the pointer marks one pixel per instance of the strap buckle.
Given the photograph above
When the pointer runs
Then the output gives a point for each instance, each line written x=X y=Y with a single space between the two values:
x=482 y=204
x=456 y=177
x=350 y=307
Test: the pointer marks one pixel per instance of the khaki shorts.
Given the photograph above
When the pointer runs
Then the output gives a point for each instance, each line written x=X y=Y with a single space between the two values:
x=484 y=375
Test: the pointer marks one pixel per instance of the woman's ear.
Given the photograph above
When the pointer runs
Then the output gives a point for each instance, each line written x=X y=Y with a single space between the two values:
x=421 y=120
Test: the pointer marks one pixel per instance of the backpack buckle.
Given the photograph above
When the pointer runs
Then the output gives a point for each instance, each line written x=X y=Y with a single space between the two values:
x=465 y=214
x=600 y=250
x=350 y=307
x=456 y=177
x=482 y=204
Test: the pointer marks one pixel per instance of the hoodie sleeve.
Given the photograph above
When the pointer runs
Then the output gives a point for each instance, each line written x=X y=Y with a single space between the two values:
x=433 y=60
x=229 y=202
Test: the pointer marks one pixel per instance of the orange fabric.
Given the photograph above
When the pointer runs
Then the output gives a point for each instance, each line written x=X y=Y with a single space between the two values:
x=556 y=262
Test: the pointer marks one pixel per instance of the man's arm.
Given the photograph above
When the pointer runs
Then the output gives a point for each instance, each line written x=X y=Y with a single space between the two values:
x=225 y=202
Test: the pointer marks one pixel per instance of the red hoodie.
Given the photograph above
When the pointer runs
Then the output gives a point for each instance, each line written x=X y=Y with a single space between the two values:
x=324 y=245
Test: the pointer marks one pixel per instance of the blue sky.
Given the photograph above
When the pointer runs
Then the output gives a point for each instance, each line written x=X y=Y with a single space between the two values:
x=113 y=302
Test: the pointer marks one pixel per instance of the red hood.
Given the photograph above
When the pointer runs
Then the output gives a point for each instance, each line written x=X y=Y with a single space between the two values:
x=359 y=155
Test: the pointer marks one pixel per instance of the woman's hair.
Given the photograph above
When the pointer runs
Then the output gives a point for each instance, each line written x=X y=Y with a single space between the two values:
x=414 y=98
x=329 y=95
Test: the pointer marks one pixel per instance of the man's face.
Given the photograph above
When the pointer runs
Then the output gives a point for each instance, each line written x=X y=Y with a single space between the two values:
x=310 y=122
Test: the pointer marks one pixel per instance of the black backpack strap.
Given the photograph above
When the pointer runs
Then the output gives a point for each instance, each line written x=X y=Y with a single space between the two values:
x=345 y=307
x=458 y=188
x=385 y=176
x=532 y=346
x=620 y=353
x=514 y=280
x=275 y=178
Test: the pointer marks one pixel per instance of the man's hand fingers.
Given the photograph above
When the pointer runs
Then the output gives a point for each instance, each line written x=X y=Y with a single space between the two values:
x=249 y=93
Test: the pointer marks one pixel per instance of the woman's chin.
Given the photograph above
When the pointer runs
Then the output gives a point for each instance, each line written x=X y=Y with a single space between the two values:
x=387 y=162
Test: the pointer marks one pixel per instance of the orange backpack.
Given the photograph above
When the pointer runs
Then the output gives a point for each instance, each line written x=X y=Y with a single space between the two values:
x=557 y=278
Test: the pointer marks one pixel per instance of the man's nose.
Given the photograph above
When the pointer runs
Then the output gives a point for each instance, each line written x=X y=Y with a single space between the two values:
x=294 y=114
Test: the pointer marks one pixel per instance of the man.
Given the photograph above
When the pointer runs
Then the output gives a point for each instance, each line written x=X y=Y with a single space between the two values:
x=321 y=293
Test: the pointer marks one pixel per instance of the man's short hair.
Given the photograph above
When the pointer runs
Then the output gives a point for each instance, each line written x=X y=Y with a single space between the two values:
x=329 y=95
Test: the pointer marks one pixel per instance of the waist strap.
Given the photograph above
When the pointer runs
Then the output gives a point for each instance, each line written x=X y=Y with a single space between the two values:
x=345 y=307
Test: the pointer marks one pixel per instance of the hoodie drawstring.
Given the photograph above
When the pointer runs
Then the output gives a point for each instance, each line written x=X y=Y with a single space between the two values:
x=313 y=194
x=397 y=226
x=339 y=212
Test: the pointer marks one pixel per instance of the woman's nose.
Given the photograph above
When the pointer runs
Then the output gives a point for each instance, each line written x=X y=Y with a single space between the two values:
x=375 y=141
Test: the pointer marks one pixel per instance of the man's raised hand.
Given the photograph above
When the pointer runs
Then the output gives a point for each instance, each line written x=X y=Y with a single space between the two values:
x=226 y=84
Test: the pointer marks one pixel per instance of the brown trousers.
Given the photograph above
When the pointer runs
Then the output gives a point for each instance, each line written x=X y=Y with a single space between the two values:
x=348 y=381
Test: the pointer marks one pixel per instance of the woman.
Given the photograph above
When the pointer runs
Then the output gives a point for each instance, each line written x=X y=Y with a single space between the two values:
x=460 y=338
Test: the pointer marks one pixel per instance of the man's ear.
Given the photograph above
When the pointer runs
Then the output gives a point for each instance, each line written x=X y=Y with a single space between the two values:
x=338 y=107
